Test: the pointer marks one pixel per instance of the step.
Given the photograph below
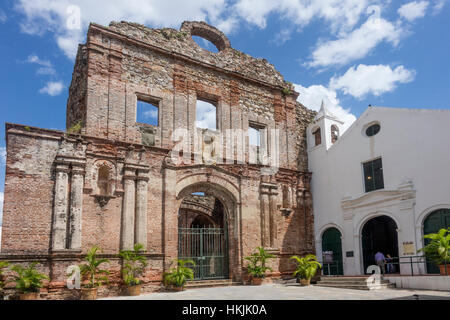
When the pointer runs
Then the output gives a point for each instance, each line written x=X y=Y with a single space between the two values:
x=349 y=282
x=211 y=283
x=356 y=286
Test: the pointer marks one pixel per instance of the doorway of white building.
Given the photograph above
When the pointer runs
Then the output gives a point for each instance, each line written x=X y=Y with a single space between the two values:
x=379 y=234
x=332 y=243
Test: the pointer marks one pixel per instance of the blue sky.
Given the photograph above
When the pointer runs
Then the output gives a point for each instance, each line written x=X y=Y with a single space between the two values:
x=350 y=53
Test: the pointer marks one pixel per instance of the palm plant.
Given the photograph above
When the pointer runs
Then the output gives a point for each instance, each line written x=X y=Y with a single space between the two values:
x=178 y=275
x=438 y=249
x=306 y=266
x=92 y=270
x=28 y=280
x=257 y=263
x=134 y=264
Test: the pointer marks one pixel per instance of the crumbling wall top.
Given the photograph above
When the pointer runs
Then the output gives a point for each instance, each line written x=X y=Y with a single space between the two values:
x=181 y=42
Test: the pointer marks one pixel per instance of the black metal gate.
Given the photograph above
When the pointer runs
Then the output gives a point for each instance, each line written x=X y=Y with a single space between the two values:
x=208 y=248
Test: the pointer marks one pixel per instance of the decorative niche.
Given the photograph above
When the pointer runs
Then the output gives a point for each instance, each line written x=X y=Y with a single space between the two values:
x=104 y=187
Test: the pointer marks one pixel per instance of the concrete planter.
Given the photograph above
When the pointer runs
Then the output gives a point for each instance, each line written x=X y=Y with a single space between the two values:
x=442 y=269
x=305 y=282
x=177 y=289
x=89 y=293
x=29 y=296
x=257 y=281
x=134 y=290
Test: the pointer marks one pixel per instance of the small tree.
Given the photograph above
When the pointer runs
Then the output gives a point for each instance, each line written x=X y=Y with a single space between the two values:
x=306 y=266
x=178 y=275
x=134 y=264
x=257 y=263
x=438 y=249
x=28 y=280
x=92 y=271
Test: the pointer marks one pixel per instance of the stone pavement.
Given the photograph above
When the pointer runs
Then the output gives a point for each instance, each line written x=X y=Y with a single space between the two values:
x=290 y=291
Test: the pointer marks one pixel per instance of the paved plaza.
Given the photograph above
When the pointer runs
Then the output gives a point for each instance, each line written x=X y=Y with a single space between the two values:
x=290 y=291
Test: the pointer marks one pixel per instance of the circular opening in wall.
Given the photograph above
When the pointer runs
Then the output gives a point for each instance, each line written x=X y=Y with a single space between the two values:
x=205 y=44
x=373 y=130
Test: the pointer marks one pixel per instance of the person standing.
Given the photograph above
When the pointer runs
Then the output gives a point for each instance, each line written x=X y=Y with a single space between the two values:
x=381 y=261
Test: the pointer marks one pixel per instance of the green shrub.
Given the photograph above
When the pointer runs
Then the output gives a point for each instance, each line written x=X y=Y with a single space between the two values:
x=306 y=266
x=3 y=265
x=178 y=275
x=28 y=279
x=257 y=263
x=134 y=264
x=91 y=270
x=438 y=250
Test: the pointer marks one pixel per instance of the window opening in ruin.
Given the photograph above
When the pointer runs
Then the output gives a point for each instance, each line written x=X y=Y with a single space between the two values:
x=334 y=133
x=206 y=115
x=103 y=181
x=147 y=112
x=317 y=137
x=257 y=142
x=205 y=44
x=373 y=175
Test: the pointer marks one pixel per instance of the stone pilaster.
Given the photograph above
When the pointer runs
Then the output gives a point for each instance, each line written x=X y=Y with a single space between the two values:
x=268 y=193
x=59 y=230
x=141 y=208
x=76 y=206
x=128 y=209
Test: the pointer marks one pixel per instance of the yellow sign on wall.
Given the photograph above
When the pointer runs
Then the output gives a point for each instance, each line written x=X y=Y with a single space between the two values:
x=408 y=248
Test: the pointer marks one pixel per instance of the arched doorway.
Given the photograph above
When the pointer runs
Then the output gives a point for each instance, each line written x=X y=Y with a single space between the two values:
x=332 y=243
x=203 y=235
x=379 y=234
x=436 y=220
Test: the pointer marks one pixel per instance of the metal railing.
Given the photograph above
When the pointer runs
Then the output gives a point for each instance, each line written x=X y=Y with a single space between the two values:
x=411 y=261
x=332 y=266
x=416 y=260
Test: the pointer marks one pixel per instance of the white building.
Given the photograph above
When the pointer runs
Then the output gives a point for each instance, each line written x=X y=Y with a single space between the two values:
x=380 y=186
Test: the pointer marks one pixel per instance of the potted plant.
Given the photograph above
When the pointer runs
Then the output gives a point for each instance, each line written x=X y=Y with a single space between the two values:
x=92 y=272
x=133 y=266
x=256 y=267
x=177 y=276
x=306 y=268
x=3 y=265
x=28 y=281
x=438 y=250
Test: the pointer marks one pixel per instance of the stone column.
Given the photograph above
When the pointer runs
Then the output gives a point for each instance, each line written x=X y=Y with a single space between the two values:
x=273 y=217
x=265 y=219
x=59 y=231
x=76 y=206
x=128 y=216
x=141 y=208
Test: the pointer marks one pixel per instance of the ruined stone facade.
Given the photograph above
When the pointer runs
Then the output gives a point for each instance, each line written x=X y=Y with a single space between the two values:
x=110 y=181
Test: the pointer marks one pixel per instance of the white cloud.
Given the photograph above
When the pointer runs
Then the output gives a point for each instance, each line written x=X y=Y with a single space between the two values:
x=356 y=44
x=46 y=66
x=2 y=156
x=439 y=4
x=206 y=115
x=3 y=17
x=375 y=79
x=413 y=10
x=341 y=15
x=312 y=97
x=52 y=88
x=41 y=16
x=283 y=36
x=151 y=114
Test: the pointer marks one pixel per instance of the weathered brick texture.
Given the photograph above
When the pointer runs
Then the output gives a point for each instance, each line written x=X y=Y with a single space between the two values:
x=109 y=180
